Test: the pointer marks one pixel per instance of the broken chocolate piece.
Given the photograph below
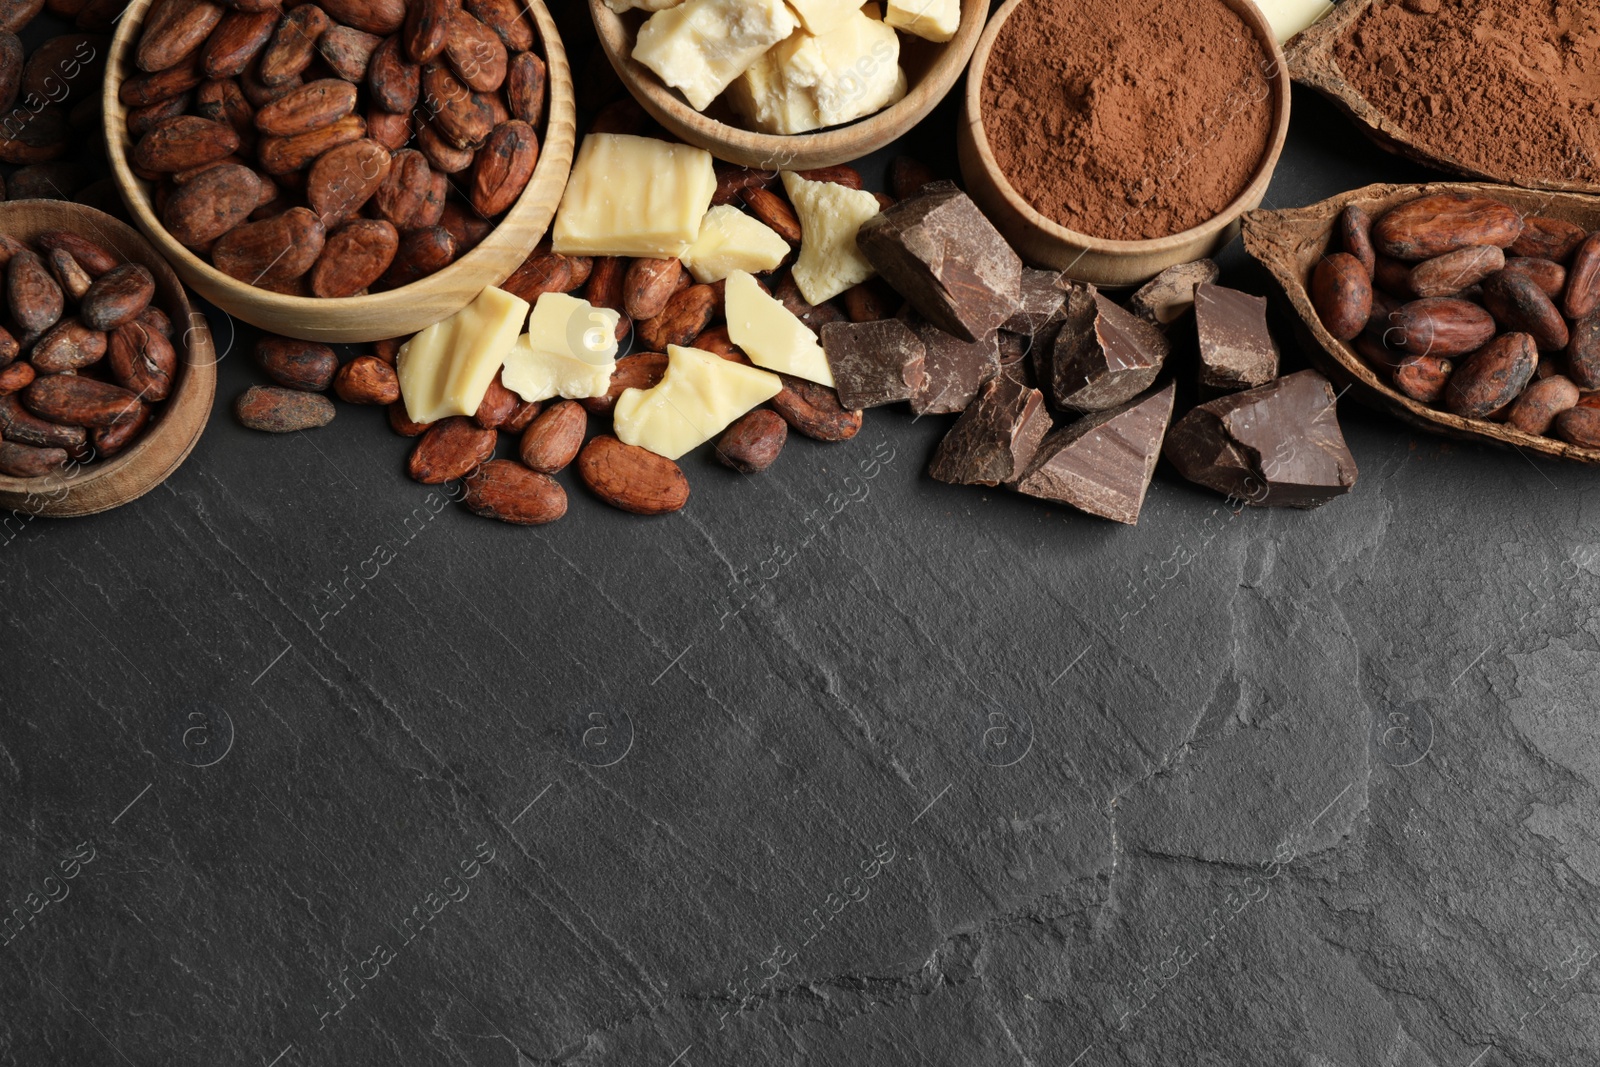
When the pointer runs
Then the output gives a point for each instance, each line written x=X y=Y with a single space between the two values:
x=1102 y=464
x=995 y=438
x=1013 y=347
x=1275 y=446
x=874 y=363
x=1171 y=293
x=955 y=370
x=1236 y=348
x=1043 y=294
x=949 y=261
x=1103 y=356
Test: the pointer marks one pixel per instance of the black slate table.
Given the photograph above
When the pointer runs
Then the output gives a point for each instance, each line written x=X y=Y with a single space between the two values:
x=300 y=763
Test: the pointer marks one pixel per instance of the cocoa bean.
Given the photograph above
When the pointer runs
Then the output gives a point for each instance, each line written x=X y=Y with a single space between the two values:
x=553 y=439
x=542 y=272
x=69 y=345
x=1583 y=280
x=24 y=461
x=28 y=136
x=283 y=155
x=72 y=400
x=753 y=442
x=16 y=14
x=401 y=423
x=648 y=285
x=642 y=370
x=426 y=27
x=1583 y=352
x=1444 y=222
x=381 y=17
x=467 y=228
x=355 y=256
x=684 y=318
x=458 y=116
x=420 y=253
x=1341 y=291
x=391 y=131
x=815 y=411
x=1520 y=306
x=632 y=478
x=503 y=166
x=118 y=296
x=443 y=156
x=1552 y=239
x=399 y=198
x=183 y=143
x=521 y=416
x=9 y=348
x=224 y=102
x=774 y=211
x=1536 y=409
x=11 y=61
x=68 y=273
x=141 y=120
x=509 y=21
x=475 y=53
x=66 y=68
x=367 y=380
x=500 y=489
x=345 y=178
x=274 y=410
x=1453 y=272
x=348 y=51
x=15 y=378
x=1423 y=378
x=172 y=30
x=1549 y=276
x=1579 y=426
x=294 y=364
x=109 y=441
x=393 y=79
x=36 y=301
x=143 y=361
x=212 y=204
x=526 y=77
x=272 y=251
x=25 y=428
x=1355 y=237
x=1492 y=377
x=1439 y=326
x=452 y=448
x=143 y=90
x=91 y=256
x=238 y=38
x=310 y=107
x=289 y=52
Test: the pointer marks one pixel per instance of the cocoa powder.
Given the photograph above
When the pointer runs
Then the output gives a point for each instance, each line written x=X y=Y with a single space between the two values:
x=1506 y=85
x=1128 y=119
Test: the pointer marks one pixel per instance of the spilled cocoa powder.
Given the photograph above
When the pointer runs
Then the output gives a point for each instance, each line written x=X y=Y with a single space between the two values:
x=1128 y=119
x=1507 y=86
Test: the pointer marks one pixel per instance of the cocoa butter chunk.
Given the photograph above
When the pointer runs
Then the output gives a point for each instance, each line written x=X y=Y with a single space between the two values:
x=954 y=369
x=1171 y=293
x=874 y=363
x=1103 y=463
x=947 y=260
x=1275 y=446
x=1043 y=293
x=1236 y=348
x=995 y=438
x=1103 y=356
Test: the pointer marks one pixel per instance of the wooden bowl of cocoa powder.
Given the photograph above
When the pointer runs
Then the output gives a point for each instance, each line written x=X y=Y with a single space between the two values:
x=1112 y=139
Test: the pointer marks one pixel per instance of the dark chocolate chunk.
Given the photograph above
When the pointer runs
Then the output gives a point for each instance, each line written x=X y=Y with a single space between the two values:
x=995 y=438
x=949 y=261
x=1236 y=349
x=1043 y=294
x=1275 y=446
x=1103 y=356
x=1013 y=347
x=1102 y=464
x=955 y=369
x=874 y=363
x=1171 y=293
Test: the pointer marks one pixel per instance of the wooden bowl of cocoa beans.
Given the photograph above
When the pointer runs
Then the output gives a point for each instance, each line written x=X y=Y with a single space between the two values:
x=343 y=172
x=1467 y=309
x=98 y=417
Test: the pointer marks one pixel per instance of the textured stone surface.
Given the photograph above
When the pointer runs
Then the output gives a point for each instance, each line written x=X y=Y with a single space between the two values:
x=1084 y=745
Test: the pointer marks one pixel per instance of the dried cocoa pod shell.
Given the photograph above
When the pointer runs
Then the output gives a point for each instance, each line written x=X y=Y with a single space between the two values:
x=355 y=256
x=211 y=205
x=774 y=211
x=183 y=143
x=289 y=52
x=68 y=273
x=1444 y=222
x=16 y=377
x=388 y=129
x=274 y=250
x=553 y=439
x=118 y=296
x=238 y=38
x=1355 y=237
x=381 y=17
x=73 y=400
x=92 y=256
x=442 y=156
x=1456 y=271
x=684 y=318
x=459 y=116
x=503 y=166
x=1342 y=294
x=753 y=442
x=1423 y=378
x=401 y=423
x=28 y=136
x=393 y=79
x=1520 y=306
x=172 y=30
x=69 y=345
x=475 y=52
x=66 y=68
x=142 y=90
x=345 y=178
x=1492 y=377
x=35 y=300
x=427 y=26
x=22 y=426
x=467 y=228
x=648 y=285
x=399 y=197
x=421 y=253
x=1552 y=239
x=1536 y=409
x=631 y=478
x=295 y=364
x=348 y=51
x=367 y=380
x=141 y=120
x=273 y=410
x=500 y=489
x=143 y=361
x=16 y=14
x=452 y=448
x=113 y=440
x=815 y=411
x=526 y=78
x=509 y=21
x=642 y=370
x=544 y=271
x=1583 y=352
x=24 y=461
x=284 y=155
x=432 y=209
x=309 y=107
x=1439 y=326
x=1583 y=280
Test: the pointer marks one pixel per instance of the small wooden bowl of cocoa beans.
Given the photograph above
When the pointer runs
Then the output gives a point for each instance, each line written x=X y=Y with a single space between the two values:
x=344 y=171
x=106 y=373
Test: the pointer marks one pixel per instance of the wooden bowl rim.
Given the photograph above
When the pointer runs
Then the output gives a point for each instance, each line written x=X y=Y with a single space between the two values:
x=877 y=129
x=196 y=388
x=556 y=148
x=1251 y=194
x=1267 y=237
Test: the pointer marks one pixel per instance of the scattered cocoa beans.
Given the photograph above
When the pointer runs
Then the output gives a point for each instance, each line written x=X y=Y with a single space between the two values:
x=753 y=442
x=632 y=479
x=293 y=364
x=501 y=489
x=552 y=440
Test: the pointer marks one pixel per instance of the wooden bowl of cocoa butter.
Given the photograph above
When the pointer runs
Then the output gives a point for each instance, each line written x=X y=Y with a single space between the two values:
x=1109 y=259
x=369 y=316
x=85 y=485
